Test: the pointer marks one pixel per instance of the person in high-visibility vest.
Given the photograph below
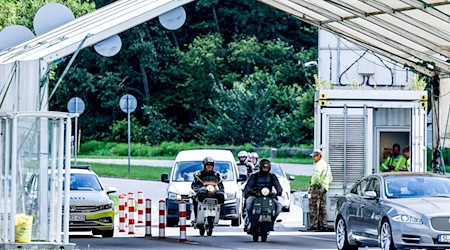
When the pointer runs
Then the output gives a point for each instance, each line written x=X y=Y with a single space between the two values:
x=320 y=182
x=394 y=162
x=407 y=154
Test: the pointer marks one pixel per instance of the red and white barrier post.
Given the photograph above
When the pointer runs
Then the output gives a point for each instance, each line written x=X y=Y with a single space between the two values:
x=122 y=213
x=140 y=207
x=182 y=211
x=126 y=207
x=131 y=215
x=148 y=217
x=162 y=219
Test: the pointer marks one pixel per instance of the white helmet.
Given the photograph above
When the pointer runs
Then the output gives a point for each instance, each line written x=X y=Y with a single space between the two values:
x=255 y=155
x=242 y=153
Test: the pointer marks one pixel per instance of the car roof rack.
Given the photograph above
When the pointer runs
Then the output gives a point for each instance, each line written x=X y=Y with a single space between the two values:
x=88 y=167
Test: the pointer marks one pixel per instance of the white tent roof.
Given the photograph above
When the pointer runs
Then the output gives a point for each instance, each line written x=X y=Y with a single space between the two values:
x=93 y=27
x=412 y=32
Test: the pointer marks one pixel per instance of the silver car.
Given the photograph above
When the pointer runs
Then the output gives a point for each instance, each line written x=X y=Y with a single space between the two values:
x=395 y=211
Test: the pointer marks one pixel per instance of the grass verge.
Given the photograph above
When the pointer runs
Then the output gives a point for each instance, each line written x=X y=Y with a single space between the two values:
x=121 y=171
x=301 y=182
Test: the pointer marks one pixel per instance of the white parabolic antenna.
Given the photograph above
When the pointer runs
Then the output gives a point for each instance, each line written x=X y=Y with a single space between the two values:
x=109 y=47
x=13 y=35
x=173 y=19
x=51 y=16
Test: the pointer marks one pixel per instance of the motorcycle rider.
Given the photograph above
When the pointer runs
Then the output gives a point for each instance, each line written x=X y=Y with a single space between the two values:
x=255 y=160
x=207 y=175
x=256 y=183
x=244 y=161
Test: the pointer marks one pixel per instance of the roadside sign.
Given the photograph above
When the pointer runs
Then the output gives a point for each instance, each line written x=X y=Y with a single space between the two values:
x=75 y=105
x=128 y=103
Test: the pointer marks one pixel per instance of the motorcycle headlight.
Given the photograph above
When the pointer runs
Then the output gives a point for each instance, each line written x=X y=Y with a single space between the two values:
x=231 y=196
x=210 y=188
x=265 y=191
x=407 y=218
x=174 y=196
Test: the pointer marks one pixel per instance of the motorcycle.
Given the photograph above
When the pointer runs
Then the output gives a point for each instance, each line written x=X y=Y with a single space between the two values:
x=208 y=212
x=263 y=215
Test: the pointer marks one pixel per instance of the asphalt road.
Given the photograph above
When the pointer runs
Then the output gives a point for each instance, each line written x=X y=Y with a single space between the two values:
x=289 y=234
x=295 y=169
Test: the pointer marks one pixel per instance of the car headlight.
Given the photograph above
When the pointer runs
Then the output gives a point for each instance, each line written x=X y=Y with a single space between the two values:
x=174 y=196
x=104 y=207
x=230 y=196
x=407 y=219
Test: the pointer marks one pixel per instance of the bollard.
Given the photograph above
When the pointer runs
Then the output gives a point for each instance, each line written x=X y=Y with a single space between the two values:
x=140 y=207
x=148 y=217
x=162 y=219
x=131 y=215
x=182 y=209
x=126 y=207
x=122 y=213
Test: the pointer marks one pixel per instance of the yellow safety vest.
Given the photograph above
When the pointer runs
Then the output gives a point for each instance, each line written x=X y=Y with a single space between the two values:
x=322 y=174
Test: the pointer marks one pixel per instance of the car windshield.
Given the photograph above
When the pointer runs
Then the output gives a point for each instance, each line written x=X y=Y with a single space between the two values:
x=85 y=182
x=416 y=186
x=277 y=170
x=185 y=170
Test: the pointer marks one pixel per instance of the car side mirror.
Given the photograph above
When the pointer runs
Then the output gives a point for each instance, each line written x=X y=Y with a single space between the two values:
x=165 y=178
x=291 y=178
x=224 y=176
x=111 y=190
x=242 y=178
x=370 y=195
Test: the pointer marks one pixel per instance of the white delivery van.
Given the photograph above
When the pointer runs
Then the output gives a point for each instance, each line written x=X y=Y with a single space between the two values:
x=186 y=164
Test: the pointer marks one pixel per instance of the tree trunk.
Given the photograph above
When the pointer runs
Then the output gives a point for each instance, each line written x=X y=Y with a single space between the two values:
x=145 y=84
x=216 y=21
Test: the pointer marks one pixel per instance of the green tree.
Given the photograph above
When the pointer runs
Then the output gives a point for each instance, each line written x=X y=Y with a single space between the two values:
x=14 y=12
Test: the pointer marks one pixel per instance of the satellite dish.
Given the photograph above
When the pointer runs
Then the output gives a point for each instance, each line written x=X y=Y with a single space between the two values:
x=13 y=35
x=109 y=47
x=51 y=16
x=173 y=19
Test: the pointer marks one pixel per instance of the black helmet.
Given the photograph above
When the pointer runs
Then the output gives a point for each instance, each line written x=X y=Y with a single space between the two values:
x=264 y=163
x=208 y=160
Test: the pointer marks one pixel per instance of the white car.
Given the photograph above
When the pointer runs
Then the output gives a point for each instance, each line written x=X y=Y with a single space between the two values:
x=285 y=199
x=187 y=163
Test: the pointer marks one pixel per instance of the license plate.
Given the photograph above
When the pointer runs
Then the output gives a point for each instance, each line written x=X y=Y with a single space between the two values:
x=77 y=217
x=444 y=238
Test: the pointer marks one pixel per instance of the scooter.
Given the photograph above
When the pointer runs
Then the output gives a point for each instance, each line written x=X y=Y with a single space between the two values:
x=208 y=212
x=263 y=215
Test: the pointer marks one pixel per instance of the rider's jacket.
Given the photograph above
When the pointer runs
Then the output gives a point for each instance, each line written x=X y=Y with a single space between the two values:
x=258 y=181
x=207 y=176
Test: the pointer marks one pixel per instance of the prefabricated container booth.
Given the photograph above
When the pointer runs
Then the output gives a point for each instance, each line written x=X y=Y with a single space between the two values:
x=355 y=129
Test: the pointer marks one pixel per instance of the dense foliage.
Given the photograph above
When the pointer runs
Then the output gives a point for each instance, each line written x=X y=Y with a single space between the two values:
x=233 y=74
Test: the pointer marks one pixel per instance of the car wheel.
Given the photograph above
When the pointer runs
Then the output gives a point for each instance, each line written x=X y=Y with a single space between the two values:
x=341 y=236
x=236 y=222
x=107 y=234
x=386 y=241
x=286 y=209
x=171 y=222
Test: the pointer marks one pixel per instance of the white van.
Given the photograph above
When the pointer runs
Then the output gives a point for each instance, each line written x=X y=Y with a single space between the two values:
x=186 y=164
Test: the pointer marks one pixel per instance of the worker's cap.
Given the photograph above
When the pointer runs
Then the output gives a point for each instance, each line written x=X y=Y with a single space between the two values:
x=316 y=152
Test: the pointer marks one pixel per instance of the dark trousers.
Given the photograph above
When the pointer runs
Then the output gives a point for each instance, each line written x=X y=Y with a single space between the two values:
x=318 y=207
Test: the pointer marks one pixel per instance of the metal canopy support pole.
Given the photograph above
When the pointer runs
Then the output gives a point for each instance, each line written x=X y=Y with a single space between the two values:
x=345 y=147
x=67 y=180
x=3 y=196
x=7 y=204
x=13 y=179
x=59 y=195
x=53 y=181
